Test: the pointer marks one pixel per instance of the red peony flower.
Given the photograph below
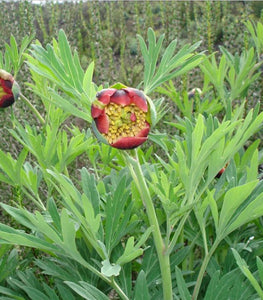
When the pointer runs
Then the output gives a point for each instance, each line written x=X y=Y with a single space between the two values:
x=7 y=96
x=121 y=117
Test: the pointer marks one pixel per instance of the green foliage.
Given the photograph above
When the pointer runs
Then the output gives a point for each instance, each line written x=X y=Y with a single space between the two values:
x=232 y=77
x=245 y=270
x=141 y=291
x=87 y=291
x=8 y=262
x=62 y=68
x=228 y=286
x=256 y=31
x=13 y=57
x=170 y=65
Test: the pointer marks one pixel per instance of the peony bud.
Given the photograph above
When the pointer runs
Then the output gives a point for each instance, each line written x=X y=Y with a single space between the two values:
x=121 y=117
x=7 y=87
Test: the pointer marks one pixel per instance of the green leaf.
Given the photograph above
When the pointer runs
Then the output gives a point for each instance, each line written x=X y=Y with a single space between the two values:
x=71 y=89
x=67 y=104
x=67 y=59
x=50 y=292
x=232 y=200
x=260 y=269
x=213 y=207
x=52 y=209
x=197 y=136
x=12 y=236
x=68 y=231
x=228 y=286
x=245 y=270
x=181 y=285
x=130 y=252
x=72 y=200
x=252 y=170
x=21 y=215
x=248 y=154
x=109 y=269
x=170 y=66
x=117 y=218
x=144 y=236
x=88 y=85
x=8 y=262
x=64 y=292
x=251 y=212
x=141 y=289
x=93 y=220
x=8 y=292
x=86 y=290
x=212 y=286
x=7 y=164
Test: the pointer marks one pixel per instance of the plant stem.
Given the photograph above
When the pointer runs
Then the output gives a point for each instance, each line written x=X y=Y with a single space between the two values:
x=32 y=107
x=119 y=290
x=163 y=255
x=108 y=280
x=203 y=268
x=177 y=233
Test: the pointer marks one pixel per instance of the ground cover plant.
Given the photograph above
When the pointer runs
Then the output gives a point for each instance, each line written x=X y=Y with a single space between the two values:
x=112 y=194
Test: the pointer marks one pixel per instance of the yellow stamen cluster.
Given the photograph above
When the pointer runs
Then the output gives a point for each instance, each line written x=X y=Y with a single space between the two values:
x=121 y=124
x=2 y=92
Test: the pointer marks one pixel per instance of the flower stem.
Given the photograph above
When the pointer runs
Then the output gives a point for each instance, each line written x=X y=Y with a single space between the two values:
x=163 y=255
x=119 y=290
x=32 y=107
x=203 y=268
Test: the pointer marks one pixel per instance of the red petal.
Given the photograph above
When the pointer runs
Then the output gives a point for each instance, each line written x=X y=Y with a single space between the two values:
x=133 y=117
x=145 y=131
x=102 y=123
x=131 y=91
x=6 y=85
x=138 y=101
x=95 y=111
x=129 y=142
x=6 y=101
x=138 y=98
x=120 y=98
x=104 y=95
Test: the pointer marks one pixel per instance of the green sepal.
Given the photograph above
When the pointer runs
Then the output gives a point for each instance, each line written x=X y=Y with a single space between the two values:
x=151 y=116
x=98 y=104
x=15 y=90
x=98 y=135
x=118 y=86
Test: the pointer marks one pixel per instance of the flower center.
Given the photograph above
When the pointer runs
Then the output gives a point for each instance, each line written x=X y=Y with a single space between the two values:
x=125 y=121
x=2 y=92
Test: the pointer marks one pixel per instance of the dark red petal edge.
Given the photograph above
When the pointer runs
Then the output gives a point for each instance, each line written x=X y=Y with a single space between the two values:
x=138 y=98
x=131 y=91
x=104 y=95
x=145 y=131
x=7 y=86
x=102 y=123
x=6 y=101
x=95 y=111
x=121 y=98
x=98 y=135
x=126 y=143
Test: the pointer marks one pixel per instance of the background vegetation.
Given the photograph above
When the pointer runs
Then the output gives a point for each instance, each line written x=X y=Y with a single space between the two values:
x=105 y=32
